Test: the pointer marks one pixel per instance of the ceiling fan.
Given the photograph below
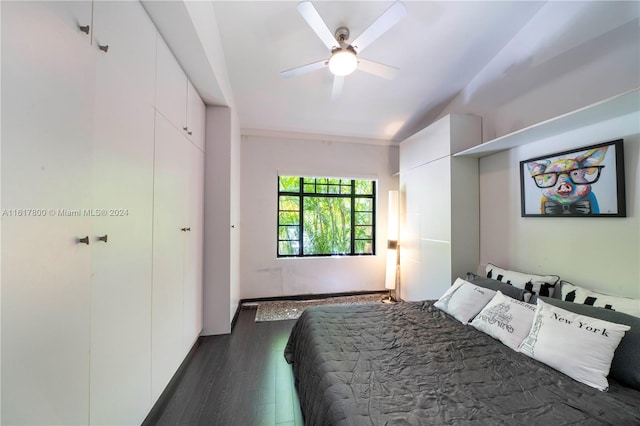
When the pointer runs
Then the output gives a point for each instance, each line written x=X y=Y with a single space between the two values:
x=344 y=57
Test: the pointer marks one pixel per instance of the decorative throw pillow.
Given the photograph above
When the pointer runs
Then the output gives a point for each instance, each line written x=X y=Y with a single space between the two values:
x=506 y=319
x=506 y=289
x=542 y=285
x=464 y=300
x=625 y=367
x=579 y=346
x=575 y=294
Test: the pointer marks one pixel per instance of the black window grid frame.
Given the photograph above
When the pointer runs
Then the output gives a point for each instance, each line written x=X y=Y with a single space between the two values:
x=352 y=196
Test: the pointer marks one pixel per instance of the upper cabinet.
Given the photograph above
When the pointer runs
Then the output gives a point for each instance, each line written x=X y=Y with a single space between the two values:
x=176 y=98
x=196 y=112
x=125 y=39
x=171 y=83
x=616 y=106
x=455 y=133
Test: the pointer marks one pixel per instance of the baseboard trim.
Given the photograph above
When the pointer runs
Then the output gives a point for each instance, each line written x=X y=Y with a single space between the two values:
x=154 y=415
x=235 y=316
x=310 y=296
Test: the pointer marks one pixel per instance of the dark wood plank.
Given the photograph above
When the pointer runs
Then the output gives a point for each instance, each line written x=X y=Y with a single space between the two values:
x=236 y=379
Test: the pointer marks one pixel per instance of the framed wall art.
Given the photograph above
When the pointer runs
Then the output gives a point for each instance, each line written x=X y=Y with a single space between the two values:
x=583 y=182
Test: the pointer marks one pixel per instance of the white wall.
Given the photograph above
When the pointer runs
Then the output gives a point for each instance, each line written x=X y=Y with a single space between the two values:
x=599 y=253
x=234 y=244
x=263 y=158
x=0 y=230
x=221 y=248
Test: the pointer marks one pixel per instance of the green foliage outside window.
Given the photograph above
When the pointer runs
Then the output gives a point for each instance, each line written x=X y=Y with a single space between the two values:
x=325 y=216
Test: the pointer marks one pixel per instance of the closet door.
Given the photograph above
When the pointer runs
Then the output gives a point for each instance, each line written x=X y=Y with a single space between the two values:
x=439 y=231
x=426 y=259
x=410 y=187
x=48 y=77
x=194 y=241
x=435 y=227
x=169 y=231
x=122 y=207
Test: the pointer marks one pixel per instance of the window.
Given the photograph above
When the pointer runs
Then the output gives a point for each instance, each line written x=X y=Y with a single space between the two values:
x=325 y=216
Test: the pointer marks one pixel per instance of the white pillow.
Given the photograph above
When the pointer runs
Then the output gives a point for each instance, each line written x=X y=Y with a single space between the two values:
x=542 y=285
x=464 y=300
x=506 y=319
x=575 y=294
x=579 y=346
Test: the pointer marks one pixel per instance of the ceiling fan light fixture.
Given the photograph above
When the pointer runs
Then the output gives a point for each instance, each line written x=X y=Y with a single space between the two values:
x=343 y=62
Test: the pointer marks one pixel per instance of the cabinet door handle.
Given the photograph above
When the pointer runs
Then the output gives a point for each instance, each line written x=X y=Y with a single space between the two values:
x=103 y=238
x=185 y=229
x=189 y=133
x=84 y=28
x=104 y=48
x=84 y=240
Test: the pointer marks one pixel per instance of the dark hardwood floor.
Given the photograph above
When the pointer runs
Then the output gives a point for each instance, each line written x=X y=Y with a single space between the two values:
x=241 y=379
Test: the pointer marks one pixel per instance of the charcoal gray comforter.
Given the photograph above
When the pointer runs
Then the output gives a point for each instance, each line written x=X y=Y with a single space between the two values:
x=412 y=364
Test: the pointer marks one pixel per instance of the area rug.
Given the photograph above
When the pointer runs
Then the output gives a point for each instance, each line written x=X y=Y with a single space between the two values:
x=278 y=310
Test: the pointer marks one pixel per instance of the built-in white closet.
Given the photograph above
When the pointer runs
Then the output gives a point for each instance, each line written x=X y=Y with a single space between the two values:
x=102 y=213
x=439 y=238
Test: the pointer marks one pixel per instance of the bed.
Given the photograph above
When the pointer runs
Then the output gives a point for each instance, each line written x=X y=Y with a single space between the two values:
x=413 y=364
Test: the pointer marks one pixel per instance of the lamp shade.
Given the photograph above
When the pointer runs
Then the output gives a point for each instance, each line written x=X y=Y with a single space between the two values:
x=392 y=241
x=392 y=218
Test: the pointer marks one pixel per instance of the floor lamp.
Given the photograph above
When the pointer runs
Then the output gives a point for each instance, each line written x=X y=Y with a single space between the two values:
x=393 y=252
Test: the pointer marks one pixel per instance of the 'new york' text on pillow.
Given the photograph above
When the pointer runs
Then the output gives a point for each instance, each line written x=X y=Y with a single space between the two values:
x=579 y=346
x=625 y=367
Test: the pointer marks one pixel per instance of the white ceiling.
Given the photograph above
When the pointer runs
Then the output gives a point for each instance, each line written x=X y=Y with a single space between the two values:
x=440 y=47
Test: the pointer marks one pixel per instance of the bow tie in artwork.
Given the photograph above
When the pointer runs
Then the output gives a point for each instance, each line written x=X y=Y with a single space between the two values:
x=579 y=207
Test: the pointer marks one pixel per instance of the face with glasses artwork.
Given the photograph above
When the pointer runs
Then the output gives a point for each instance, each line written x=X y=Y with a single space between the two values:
x=566 y=183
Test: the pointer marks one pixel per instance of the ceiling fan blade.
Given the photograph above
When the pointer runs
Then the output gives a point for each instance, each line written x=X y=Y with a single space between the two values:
x=311 y=15
x=304 y=69
x=336 y=91
x=388 y=19
x=376 y=68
